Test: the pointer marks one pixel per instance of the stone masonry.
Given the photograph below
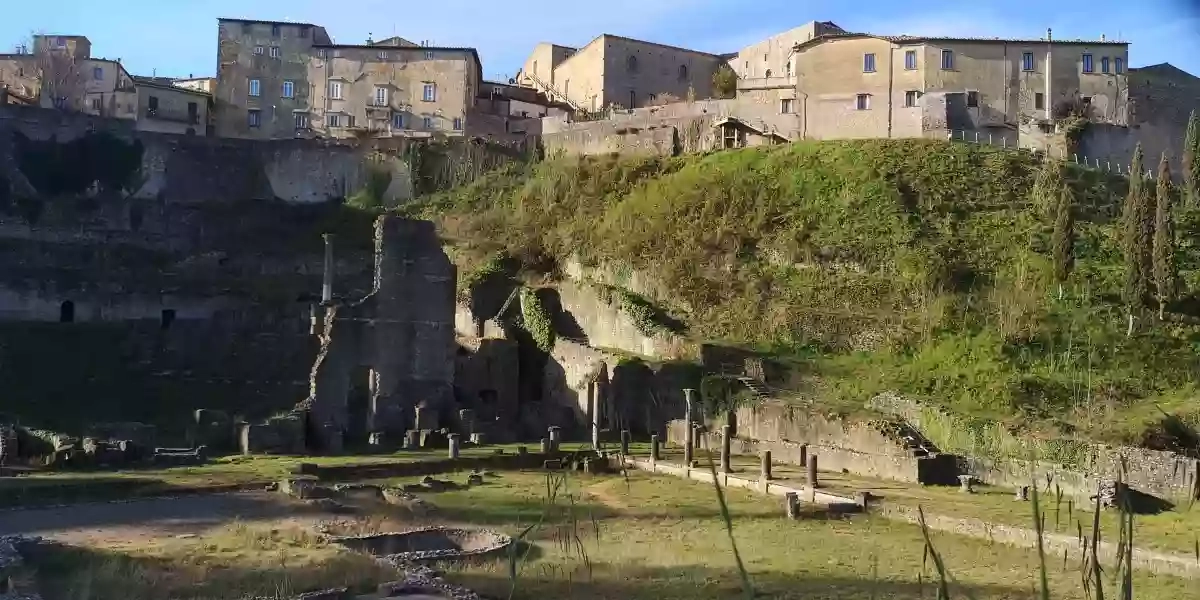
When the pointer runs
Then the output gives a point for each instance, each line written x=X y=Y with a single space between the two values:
x=403 y=331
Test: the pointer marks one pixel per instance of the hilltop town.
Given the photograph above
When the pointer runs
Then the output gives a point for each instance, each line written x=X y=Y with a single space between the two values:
x=283 y=80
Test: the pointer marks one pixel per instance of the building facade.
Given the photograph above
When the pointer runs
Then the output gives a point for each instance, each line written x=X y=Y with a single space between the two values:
x=59 y=72
x=614 y=70
x=166 y=108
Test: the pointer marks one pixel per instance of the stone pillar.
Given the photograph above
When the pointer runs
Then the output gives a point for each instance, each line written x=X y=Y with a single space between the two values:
x=412 y=439
x=466 y=419
x=327 y=283
x=555 y=433
x=625 y=442
x=1022 y=494
x=689 y=433
x=791 y=504
x=545 y=446
x=594 y=412
x=453 y=439
x=764 y=459
x=654 y=448
x=812 y=471
x=726 y=442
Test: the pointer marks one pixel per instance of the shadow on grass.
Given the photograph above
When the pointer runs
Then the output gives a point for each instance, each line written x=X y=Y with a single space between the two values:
x=694 y=582
x=21 y=491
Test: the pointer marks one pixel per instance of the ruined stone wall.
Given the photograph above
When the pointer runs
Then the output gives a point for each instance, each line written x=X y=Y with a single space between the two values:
x=605 y=325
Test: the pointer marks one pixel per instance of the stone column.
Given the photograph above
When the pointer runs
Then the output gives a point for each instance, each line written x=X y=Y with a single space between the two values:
x=466 y=418
x=327 y=283
x=654 y=448
x=812 y=471
x=791 y=504
x=764 y=458
x=545 y=446
x=453 y=439
x=726 y=442
x=555 y=437
x=624 y=442
x=689 y=435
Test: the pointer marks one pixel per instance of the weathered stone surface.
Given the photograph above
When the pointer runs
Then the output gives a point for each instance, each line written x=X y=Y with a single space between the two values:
x=278 y=435
x=420 y=581
x=427 y=544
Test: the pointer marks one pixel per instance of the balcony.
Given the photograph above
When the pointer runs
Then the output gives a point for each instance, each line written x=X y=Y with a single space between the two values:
x=174 y=116
x=766 y=83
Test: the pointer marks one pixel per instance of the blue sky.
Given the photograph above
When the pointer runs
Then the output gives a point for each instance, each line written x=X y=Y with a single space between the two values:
x=178 y=37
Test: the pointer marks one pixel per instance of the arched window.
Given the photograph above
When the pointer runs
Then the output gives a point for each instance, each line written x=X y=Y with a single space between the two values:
x=768 y=73
x=66 y=312
x=632 y=64
x=683 y=72
x=789 y=68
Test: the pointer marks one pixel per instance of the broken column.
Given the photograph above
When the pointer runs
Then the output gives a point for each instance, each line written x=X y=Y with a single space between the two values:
x=765 y=465
x=689 y=436
x=327 y=283
x=654 y=448
x=453 y=439
x=791 y=504
x=726 y=442
x=812 y=471
x=1022 y=494
x=625 y=442
x=594 y=413
x=555 y=433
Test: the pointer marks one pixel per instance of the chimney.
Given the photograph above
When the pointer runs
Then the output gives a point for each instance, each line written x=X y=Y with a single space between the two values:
x=1049 y=37
x=327 y=285
x=1102 y=37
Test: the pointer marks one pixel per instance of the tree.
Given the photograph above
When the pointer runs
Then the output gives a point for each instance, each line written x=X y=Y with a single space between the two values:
x=1135 y=240
x=1062 y=241
x=1191 y=160
x=725 y=82
x=1165 y=273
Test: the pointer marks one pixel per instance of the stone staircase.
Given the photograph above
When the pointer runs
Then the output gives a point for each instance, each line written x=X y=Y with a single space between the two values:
x=757 y=387
x=907 y=436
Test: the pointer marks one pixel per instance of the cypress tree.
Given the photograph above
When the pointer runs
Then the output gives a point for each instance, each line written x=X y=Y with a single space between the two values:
x=1134 y=240
x=1165 y=274
x=1062 y=241
x=1191 y=160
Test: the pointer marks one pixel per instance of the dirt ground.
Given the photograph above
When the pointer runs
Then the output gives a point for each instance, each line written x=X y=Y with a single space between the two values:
x=123 y=523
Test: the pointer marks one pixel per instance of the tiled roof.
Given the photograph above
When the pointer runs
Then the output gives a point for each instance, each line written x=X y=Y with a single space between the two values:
x=907 y=39
x=265 y=21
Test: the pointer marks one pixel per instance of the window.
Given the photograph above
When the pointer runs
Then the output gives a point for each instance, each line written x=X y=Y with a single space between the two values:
x=427 y=122
x=429 y=55
x=383 y=55
x=1039 y=101
x=381 y=96
x=683 y=73
x=910 y=98
x=304 y=32
x=1119 y=63
x=66 y=312
x=152 y=103
x=274 y=31
x=301 y=119
x=320 y=53
x=1104 y=64
x=910 y=60
x=1087 y=100
x=398 y=121
x=868 y=63
x=1027 y=61
x=429 y=94
x=335 y=90
x=458 y=123
x=289 y=89
x=97 y=104
x=98 y=73
x=785 y=106
x=333 y=120
x=1088 y=67
x=258 y=50
x=947 y=60
x=631 y=64
x=862 y=102
x=275 y=52
x=254 y=118
x=768 y=73
x=972 y=99
x=255 y=87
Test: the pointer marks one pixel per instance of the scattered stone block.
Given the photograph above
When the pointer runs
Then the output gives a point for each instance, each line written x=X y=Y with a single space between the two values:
x=1022 y=494
x=475 y=479
x=965 y=484
x=478 y=438
x=553 y=465
x=298 y=487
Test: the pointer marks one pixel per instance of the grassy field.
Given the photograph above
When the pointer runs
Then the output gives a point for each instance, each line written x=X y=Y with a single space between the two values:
x=916 y=266
x=601 y=537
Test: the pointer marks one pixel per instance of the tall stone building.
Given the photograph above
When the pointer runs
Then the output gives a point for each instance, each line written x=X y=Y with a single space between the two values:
x=615 y=70
x=283 y=80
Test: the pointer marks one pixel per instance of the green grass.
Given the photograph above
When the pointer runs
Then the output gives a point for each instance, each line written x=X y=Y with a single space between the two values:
x=916 y=266
x=602 y=537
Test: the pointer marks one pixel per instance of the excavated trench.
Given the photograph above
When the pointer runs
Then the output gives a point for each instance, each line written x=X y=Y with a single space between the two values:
x=429 y=544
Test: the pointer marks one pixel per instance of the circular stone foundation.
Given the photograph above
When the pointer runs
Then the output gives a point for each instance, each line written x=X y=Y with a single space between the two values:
x=428 y=544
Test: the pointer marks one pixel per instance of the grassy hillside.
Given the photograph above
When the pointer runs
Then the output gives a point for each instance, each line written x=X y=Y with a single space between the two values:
x=918 y=266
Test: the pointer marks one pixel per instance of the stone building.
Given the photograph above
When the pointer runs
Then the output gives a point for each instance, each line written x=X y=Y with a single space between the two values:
x=615 y=70
x=201 y=84
x=60 y=72
x=167 y=108
x=857 y=85
x=386 y=90
x=263 y=77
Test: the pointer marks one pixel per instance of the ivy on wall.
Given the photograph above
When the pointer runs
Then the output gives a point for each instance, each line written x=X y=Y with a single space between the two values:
x=100 y=159
x=649 y=319
x=536 y=321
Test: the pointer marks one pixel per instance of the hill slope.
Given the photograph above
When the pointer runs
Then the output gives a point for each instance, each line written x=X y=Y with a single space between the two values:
x=918 y=266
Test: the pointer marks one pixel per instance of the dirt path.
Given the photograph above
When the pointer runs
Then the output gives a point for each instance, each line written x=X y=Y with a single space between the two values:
x=602 y=492
x=143 y=520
